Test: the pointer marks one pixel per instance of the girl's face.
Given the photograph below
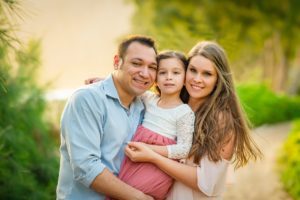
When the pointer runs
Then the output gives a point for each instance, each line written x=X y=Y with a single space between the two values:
x=201 y=78
x=170 y=76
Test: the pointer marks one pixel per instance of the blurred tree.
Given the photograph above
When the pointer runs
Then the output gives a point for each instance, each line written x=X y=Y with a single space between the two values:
x=28 y=160
x=256 y=34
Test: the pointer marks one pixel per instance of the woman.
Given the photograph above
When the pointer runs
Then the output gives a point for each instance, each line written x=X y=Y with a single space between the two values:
x=221 y=131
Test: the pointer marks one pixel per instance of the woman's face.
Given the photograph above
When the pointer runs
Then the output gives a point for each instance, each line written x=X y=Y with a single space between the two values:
x=201 y=78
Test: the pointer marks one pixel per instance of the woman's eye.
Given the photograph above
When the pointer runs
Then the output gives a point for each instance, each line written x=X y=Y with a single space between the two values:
x=207 y=73
x=192 y=70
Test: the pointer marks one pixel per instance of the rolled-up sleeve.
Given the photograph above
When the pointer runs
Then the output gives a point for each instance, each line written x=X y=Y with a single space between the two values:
x=82 y=130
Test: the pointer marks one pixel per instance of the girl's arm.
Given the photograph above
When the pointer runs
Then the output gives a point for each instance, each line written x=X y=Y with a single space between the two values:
x=184 y=129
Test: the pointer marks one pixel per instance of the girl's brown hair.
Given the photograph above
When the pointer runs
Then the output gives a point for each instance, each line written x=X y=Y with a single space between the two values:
x=221 y=116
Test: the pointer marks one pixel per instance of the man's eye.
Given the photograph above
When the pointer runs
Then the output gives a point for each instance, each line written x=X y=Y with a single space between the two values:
x=136 y=63
x=153 y=68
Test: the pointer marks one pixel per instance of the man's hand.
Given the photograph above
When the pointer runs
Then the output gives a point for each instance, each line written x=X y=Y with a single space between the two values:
x=108 y=184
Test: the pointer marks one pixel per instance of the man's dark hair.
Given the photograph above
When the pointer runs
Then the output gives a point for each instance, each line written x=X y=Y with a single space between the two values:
x=145 y=40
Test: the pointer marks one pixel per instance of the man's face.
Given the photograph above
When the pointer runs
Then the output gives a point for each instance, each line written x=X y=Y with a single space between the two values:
x=137 y=70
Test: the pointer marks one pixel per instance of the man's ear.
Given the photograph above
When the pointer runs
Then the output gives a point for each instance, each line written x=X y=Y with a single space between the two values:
x=117 y=62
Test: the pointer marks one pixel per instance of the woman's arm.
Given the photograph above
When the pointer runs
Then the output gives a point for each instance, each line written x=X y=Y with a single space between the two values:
x=139 y=152
x=227 y=149
x=92 y=80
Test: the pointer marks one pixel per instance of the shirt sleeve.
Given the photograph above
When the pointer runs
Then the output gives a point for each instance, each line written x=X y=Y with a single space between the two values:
x=81 y=133
x=184 y=130
x=211 y=176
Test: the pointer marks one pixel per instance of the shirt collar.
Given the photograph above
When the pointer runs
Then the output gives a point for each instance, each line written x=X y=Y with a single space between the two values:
x=110 y=88
x=111 y=91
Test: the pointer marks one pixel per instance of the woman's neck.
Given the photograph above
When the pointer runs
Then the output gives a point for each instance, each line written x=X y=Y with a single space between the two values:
x=195 y=103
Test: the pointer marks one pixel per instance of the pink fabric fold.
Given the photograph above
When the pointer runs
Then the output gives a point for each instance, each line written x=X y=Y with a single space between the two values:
x=146 y=176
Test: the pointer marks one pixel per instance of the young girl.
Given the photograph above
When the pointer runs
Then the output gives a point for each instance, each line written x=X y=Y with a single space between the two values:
x=167 y=120
x=221 y=130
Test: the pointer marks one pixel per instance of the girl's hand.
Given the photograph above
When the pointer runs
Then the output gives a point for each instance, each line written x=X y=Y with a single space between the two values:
x=92 y=80
x=140 y=152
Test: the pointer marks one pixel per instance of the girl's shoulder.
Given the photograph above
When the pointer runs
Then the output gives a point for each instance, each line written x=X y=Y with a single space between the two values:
x=185 y=108
x=149 y=96
x=184 y=111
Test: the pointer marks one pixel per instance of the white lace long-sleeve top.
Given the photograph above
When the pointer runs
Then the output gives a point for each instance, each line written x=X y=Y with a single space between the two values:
x=175 y=123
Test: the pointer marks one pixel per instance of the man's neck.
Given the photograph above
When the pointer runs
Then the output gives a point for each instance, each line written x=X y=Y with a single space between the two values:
x=125 y=98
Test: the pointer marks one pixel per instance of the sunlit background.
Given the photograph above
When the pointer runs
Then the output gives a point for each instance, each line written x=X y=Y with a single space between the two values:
x=78 y=38
x=49 y=47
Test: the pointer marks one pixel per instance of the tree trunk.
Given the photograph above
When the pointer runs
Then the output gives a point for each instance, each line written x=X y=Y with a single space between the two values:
x=294 y=85
x=281 y=65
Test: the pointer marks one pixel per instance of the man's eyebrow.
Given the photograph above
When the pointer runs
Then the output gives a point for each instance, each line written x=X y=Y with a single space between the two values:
x=139 y=59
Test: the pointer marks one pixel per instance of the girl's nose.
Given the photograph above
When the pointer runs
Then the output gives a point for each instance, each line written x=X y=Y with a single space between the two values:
x=169 y=76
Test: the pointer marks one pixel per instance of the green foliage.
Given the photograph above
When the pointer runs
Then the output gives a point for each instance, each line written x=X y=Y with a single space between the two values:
x=289 y=162
x=177 y=24
x=259 y=36
x=265 y=107
x=28 y=161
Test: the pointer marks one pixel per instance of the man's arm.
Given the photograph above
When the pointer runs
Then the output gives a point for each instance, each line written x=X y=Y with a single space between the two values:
x=81 y=132
x=110 y=185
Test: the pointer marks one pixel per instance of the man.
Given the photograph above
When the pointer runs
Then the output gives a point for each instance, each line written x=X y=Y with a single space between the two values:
x=99 y=120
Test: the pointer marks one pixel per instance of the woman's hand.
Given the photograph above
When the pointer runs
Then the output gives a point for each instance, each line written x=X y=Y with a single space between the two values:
x=140 y=152
x=92 y=80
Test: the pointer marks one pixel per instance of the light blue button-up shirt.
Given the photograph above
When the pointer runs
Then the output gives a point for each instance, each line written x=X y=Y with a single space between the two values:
x=94 y=130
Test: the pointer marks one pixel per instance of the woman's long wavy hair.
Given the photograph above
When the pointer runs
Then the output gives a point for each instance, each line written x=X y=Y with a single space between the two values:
x=221 y=116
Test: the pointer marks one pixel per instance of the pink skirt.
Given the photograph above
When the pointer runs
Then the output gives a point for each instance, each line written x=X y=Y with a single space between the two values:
x=146 y=177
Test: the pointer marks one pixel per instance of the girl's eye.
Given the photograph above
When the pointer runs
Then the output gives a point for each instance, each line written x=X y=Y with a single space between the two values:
x=161 y=72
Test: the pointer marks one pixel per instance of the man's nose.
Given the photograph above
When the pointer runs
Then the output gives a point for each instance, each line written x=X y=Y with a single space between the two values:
x=144 y=72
